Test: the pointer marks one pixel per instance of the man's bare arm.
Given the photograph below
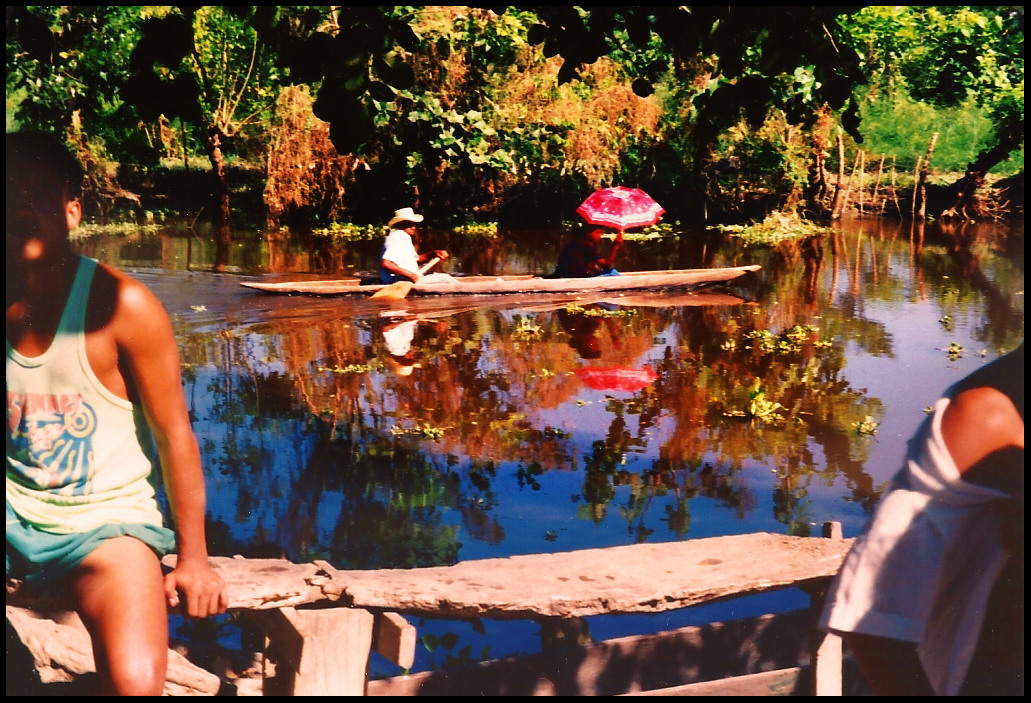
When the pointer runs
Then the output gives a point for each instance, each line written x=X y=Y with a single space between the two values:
x=146 y=340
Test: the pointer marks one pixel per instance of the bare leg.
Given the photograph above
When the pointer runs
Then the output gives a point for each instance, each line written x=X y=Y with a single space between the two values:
x=121 y=598
x=892 y=667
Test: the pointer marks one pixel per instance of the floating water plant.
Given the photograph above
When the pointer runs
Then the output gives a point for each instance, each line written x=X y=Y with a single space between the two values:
x=955 y=351
x=351 y=232
x=867 y=426
x=526 y=330
x=478 y=229
x=790 y=341
x=89 y=229
x=776 y=228
x=577 y=309
x=434 y=433
x=350 y=368
x=759 y=407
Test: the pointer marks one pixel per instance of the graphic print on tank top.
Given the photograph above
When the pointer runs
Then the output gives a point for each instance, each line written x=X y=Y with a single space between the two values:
x=52 y=438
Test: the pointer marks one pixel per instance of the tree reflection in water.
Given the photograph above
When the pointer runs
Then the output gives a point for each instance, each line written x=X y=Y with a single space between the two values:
x=320 y=444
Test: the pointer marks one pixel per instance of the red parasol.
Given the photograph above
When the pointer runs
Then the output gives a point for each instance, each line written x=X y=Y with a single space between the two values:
x=621 y=208
x=616 y=378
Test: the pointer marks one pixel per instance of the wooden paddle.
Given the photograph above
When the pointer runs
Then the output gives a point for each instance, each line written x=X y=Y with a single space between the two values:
x=401 y=289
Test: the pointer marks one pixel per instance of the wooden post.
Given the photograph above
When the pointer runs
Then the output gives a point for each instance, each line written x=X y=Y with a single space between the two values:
x=923 y=177
x=835 y=214
x=894 y=190
x=862 y=181
x=840 y=208
x=877 y=185
x=916 y=186
x=826 y=663
x=317 y=652
x=395 y=639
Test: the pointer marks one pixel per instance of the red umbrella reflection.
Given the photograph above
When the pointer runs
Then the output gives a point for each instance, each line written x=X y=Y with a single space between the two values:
x=622 y=208
x=616 y=378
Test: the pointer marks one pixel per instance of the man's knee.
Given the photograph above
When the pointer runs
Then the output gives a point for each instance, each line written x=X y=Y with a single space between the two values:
x=142 y=675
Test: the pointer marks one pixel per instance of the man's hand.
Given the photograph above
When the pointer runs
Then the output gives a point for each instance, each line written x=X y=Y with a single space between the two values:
x=204 y=590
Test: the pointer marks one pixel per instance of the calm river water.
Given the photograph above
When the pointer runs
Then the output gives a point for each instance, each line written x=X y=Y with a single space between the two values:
x=441 y=430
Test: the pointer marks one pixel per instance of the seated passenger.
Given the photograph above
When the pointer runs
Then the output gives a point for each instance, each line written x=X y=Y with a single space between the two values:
x=580 y=258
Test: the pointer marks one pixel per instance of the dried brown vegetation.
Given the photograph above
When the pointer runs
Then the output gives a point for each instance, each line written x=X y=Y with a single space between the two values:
x=304 y=170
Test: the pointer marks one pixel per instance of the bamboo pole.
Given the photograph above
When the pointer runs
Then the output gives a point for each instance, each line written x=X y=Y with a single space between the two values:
x=848 y=188
x=916 y=186
x=923 y=176
x=877 y=185
x=894 y=190
x=841 y=177
x=862 y=179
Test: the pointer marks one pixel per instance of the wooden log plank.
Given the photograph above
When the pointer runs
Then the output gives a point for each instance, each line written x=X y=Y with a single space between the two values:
x=634 y=578
x=263 y=584
x=782 y=682
x=62 y=651
x=625 y=665
x=394 y=639
x=630 y=579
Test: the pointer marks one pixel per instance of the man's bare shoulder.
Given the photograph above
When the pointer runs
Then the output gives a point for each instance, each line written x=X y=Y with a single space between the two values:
x=133 y=312
x=981 y=422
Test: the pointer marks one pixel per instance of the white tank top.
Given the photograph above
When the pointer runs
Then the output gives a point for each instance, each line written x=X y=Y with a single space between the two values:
x=78 y=456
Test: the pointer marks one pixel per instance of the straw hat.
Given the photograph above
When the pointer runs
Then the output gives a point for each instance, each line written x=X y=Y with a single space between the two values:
x=405 y=214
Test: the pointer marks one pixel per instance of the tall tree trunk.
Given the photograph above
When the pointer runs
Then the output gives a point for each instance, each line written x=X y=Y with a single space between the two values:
x=964 y=191
x=218 y=169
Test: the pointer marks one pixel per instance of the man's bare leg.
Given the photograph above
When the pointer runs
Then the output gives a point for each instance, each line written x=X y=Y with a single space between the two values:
x=892 y=667
x=120 y=591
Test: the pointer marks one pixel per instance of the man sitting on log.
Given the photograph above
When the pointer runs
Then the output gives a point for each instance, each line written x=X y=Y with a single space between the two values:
x=93 y=389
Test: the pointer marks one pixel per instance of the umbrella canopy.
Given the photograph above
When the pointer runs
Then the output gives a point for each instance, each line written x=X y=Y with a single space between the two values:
x=616 y=378
x=621 y=208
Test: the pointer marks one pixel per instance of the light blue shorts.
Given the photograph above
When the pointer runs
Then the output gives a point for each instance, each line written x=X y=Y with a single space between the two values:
x=42 y=558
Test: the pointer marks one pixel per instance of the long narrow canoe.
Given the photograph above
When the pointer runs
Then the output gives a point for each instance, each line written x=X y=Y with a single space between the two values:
x=443 y=284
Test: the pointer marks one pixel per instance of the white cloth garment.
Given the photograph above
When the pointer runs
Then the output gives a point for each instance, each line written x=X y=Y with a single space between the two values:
x=924 y=566
x=398 y=248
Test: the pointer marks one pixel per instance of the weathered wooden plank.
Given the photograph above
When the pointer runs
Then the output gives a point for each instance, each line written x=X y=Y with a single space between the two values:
x=62 y=651
x=630 y=579
x=394 y=638
x=782 y=682
x=326 y=653
x=625 y=665
x=263 y=584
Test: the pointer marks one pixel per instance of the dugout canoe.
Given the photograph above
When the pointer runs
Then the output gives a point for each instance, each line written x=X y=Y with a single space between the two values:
x=443 y=284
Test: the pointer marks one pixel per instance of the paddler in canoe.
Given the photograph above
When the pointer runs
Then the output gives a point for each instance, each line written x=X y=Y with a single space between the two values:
x=400 y=260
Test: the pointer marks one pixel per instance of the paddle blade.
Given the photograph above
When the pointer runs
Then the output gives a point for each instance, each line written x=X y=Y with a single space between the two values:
x=395 y=291
x=401 y=289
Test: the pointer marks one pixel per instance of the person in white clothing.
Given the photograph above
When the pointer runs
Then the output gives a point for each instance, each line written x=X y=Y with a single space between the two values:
x=930 y=598
x=400 y=260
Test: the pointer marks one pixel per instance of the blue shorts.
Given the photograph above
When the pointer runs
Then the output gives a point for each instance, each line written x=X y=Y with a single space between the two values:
x=42 y=558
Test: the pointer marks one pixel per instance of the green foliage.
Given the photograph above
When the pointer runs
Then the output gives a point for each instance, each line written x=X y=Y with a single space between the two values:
x=947 y=56
x=901 y=126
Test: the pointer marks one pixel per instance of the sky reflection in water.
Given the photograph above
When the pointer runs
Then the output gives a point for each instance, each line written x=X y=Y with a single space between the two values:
x=452 y=429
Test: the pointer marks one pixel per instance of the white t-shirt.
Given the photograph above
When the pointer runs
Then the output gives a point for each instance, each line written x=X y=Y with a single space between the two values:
x=398 y=248
x=925 y=565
